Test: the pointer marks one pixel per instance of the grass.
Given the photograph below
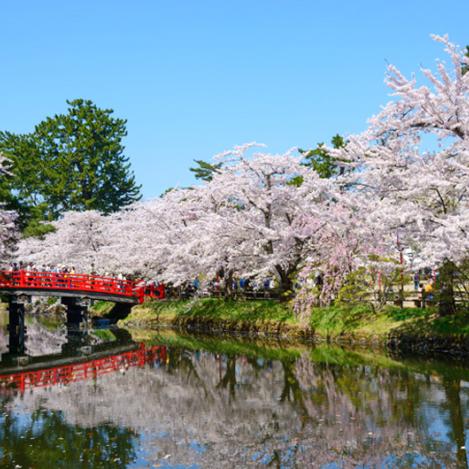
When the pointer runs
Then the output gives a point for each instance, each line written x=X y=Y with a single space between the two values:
x=363 y=321
x=359 y=321
x=212 y=308
x=101 y=308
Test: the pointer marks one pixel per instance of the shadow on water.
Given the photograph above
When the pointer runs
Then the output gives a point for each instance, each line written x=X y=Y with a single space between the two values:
x=118 y=398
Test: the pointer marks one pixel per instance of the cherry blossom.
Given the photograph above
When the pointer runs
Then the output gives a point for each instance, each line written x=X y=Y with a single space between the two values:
x=413 y=161
x=76 y=242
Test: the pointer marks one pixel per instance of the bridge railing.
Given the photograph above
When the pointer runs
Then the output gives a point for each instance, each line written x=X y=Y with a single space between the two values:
x=65 y=281
x=23 y=279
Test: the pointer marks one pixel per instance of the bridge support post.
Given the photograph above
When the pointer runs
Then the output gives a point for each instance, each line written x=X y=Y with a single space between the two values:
x=16 y=327
x=77 y=310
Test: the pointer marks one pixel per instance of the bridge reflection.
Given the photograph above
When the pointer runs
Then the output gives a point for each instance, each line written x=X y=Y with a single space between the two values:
x=78 y=361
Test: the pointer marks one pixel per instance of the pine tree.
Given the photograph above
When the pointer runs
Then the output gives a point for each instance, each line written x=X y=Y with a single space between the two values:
x=72 y=161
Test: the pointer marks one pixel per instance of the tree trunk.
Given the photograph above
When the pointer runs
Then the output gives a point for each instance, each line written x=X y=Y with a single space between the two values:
x=446 y=302
x=229 y=292
x=285 y=283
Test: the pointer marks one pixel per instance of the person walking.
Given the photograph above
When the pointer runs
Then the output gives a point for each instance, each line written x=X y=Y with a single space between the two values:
x=428 y=291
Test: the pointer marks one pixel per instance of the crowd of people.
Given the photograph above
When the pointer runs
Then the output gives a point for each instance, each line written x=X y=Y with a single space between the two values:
x=217 y=287
x=64 y=269
x=424 y=282
x=62 y=276
x=30 y=267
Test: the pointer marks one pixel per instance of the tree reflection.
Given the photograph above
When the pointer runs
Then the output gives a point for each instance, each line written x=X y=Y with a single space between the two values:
x=291 y=389
x=47 y=440
x=453 y=402
x=301 y=408
x=228 y=380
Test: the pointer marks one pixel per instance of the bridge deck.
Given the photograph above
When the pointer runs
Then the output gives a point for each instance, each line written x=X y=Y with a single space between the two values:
x=70 y=294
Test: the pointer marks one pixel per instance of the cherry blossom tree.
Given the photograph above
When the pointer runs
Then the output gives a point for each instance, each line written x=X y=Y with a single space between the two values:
x=261 y=215
x=256 y=217
x=155 y=238
x=266 y=210
x=77 y=241
x=413 y=162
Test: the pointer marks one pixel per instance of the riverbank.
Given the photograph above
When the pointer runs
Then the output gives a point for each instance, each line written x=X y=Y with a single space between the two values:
x=408 y=330
x=212 y=315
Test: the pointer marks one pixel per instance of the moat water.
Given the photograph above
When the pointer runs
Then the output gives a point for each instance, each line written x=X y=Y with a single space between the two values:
x=112 y=398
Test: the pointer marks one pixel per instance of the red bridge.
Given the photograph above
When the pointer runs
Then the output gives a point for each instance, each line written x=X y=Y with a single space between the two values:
x=96 y=287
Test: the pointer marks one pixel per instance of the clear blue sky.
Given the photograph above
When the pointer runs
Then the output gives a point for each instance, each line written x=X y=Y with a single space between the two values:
x=196 y=77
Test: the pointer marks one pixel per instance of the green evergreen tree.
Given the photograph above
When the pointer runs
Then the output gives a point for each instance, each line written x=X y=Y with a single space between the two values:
x=72 y=161
x=321 y=161
x=24 y=190
x=465 y=68
x=204 y=170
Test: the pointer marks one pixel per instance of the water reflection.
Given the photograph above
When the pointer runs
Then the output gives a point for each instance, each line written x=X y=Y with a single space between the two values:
x=175 y=400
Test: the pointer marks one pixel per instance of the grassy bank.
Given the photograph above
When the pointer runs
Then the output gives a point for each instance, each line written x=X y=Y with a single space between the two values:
x=413 y=329
x=217 y=315
x=211 y=308
x=363 y=321
x=101 y=308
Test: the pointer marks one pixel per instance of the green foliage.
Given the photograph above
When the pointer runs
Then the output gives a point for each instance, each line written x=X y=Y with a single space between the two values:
x=401 y=314
x=356 y=288
x=296 y=181
x=37 y=228
x=72 y=161
x=204 y=170
x=23 y=191
x=321 y=161
x=338 y=319
x=167 y=191
x=444 y=291
x=465 y=68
